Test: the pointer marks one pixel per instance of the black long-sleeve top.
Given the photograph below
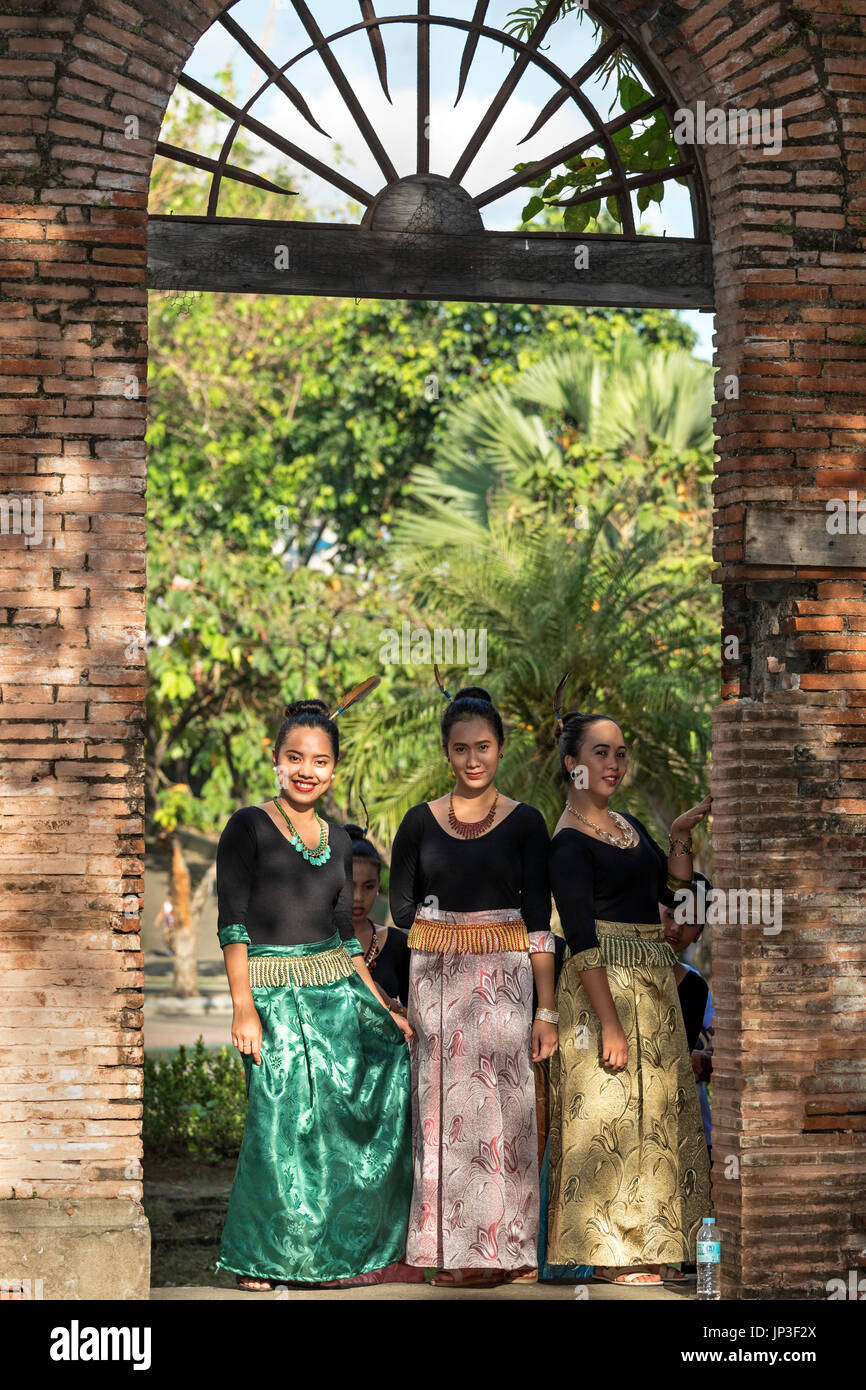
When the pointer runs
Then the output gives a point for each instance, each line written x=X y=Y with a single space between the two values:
x=693 y=992
x=505 y=867
x=390 y=968
x=591 y=880
x=265 y=885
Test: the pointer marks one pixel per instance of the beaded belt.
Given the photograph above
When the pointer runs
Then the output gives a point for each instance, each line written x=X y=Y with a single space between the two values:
x=627 y=943
x=319 y=968
x=502 y=929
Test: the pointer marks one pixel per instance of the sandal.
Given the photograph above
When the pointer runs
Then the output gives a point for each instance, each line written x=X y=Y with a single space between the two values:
x=629 y=1279
x=671 y=1275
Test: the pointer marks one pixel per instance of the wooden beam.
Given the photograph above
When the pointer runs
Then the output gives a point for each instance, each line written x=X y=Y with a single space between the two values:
x=800 y=537
x=332 y=259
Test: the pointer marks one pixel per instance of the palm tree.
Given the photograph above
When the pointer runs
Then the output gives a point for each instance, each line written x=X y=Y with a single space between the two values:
x=623 y=600
x=549 y=600
x=573 y=423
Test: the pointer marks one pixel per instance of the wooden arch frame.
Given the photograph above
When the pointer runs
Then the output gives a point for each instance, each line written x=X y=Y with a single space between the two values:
x=422 y=236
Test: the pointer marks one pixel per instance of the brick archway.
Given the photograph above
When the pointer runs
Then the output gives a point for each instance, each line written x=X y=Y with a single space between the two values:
x=788 y=770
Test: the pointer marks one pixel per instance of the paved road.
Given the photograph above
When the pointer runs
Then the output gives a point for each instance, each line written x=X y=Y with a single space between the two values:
x=161 y=1031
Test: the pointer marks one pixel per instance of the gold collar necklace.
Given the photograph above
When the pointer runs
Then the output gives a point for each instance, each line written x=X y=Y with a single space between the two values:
x=627 y=840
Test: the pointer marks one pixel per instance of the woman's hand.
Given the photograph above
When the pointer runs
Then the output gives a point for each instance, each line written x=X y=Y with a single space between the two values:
x=545 y=1040
x=403 y=1024
x=614 y=1047
x=247 y=1031
x=684 y=824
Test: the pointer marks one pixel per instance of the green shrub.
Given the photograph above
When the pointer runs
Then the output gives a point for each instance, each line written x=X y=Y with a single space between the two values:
x=194 y=1104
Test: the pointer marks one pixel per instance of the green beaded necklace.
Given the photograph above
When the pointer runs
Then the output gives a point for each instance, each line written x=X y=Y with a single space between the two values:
x=318 y=856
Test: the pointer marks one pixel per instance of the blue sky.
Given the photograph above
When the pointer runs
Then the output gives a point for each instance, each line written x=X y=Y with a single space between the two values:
x=274 y=25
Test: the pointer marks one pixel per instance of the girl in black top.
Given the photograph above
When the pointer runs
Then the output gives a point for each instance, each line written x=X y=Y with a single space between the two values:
x=386 y=952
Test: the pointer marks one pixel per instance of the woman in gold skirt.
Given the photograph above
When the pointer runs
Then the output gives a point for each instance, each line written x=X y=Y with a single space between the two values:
x=630 y=1181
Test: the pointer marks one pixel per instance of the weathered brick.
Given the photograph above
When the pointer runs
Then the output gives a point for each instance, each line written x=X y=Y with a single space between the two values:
x=788 y=762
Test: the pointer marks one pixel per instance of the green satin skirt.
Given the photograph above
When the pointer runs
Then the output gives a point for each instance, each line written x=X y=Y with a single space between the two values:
x=324 y=1174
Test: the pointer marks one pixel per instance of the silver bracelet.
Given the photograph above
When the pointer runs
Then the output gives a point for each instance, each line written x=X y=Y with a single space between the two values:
x=547 y=1015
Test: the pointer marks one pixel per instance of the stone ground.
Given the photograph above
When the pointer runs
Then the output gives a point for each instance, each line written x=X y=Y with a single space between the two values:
x=185 y=1202
x=423 y=1292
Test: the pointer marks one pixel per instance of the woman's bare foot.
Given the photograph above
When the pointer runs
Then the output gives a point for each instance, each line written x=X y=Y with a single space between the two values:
x=527 y=1275
x=253 y=1284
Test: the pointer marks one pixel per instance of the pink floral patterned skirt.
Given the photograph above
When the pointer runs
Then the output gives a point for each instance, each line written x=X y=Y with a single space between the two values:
x=475 y=1181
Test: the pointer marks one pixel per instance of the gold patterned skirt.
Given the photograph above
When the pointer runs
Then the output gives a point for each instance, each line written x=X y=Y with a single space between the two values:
x=629 y=1168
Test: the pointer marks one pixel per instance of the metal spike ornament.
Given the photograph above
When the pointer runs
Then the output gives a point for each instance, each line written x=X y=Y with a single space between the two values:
x=440 y=682
x=558 y=696
x=358 y=692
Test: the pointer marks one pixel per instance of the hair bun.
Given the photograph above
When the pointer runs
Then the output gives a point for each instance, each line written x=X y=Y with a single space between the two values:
x=354 y=832
x=473 y=692
x=570 y=718
x=305 y=707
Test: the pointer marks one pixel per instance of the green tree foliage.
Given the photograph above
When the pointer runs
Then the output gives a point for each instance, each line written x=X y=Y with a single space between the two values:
x=569 y=518
x=283 y=435
x=629 y=437
x=194 y=1104
x=550 y=601
x=645 y=145
x=232 y=638
x=290 y=422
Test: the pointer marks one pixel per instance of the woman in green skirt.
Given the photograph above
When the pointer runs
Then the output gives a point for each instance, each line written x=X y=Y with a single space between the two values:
x=323 y=1180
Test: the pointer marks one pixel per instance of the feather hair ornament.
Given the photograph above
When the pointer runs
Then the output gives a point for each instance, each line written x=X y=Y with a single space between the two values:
x=439 y=681
x=358 y=692
x=366 y=813
x=558 y=696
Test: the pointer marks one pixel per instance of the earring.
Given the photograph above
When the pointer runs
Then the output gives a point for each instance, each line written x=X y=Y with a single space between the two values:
x=575 y=775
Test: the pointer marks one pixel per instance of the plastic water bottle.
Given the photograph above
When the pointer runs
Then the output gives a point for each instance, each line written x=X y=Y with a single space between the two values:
x=709 y=1260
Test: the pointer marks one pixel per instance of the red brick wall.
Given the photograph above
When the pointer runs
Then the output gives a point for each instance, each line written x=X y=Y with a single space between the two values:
x=789 y=1098
x=788 y=775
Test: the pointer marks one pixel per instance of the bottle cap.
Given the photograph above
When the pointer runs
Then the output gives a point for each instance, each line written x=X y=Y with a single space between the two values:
x=709 y=1221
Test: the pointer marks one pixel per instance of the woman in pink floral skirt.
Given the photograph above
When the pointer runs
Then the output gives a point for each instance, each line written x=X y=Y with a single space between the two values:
x=469 y=877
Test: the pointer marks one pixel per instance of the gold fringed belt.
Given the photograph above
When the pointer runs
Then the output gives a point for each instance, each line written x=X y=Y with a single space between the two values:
x=479 y=932
x=318 y=968
x=633 y=943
